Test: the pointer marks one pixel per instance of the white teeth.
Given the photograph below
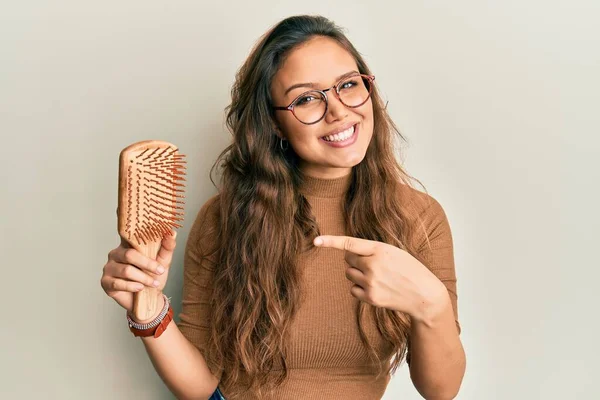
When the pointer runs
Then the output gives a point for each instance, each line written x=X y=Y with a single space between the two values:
x=339 y=137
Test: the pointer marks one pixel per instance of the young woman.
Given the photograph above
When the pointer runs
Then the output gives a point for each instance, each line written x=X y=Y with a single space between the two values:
x=316 y=268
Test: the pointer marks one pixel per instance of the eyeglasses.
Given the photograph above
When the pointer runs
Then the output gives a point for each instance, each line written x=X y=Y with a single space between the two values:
x=310 y=107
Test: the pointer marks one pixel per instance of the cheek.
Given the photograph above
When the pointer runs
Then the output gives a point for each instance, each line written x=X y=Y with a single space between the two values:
x=286 y=122
x=367 y=121
x=301 y=135
x=368 y=113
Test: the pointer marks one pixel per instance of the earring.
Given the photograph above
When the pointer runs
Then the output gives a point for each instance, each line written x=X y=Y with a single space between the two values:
x=281 y=140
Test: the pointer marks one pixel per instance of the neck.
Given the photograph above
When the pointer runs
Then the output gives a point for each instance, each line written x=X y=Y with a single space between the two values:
x=325 y=173
x=326 y=187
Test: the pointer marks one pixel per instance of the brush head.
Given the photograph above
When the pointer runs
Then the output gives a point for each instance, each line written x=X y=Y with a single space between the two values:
x=150 y=192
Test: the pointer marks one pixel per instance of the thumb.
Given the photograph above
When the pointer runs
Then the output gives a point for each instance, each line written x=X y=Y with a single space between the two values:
x=165 y=254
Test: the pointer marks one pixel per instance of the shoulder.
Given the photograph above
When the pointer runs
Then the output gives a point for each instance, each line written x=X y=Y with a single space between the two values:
x=208 y=213
x=205 y=224
x=425 y=215
x=418 y=204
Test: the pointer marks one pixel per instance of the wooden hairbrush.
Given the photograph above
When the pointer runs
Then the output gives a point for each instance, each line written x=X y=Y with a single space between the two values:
x=150 y=205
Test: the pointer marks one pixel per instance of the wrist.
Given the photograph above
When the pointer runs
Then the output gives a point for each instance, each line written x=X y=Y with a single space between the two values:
x=155 y=327
x=432 y=307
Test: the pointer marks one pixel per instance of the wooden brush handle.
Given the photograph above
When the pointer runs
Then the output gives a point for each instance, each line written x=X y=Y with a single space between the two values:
x=145 y=302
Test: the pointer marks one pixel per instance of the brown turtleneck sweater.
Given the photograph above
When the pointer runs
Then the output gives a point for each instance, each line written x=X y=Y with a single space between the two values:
x=327 y=359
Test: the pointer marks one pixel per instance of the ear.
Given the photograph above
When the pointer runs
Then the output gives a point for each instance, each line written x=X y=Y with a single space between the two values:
x=277 y=131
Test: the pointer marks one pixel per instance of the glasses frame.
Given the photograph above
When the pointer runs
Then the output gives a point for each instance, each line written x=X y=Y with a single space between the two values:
x=336 y=92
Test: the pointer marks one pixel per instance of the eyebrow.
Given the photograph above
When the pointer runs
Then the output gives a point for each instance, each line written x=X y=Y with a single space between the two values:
x=314 y=85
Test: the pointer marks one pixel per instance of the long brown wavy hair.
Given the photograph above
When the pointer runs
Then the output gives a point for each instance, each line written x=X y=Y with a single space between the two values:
x=265 y=222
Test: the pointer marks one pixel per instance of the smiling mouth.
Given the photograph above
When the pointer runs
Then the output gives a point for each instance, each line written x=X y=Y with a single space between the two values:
x=341 y=136
x=342 y=140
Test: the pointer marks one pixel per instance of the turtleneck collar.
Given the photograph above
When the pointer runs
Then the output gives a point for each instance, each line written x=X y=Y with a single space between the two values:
x=325 y=187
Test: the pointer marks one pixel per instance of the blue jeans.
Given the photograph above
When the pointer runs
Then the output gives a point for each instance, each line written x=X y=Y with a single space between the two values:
x=217 y=395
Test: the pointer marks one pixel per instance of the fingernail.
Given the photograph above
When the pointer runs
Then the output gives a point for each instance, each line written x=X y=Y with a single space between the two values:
x=318 y=241
x=160 y=269
x=156 y=283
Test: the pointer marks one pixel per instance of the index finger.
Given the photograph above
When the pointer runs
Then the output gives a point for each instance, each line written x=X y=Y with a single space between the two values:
x=124 y=255
x=362 y=247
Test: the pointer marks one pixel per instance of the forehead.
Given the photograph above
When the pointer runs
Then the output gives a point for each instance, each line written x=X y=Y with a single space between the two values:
x=320 y=60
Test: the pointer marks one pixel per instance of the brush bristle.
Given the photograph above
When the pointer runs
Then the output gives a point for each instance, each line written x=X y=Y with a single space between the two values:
x=154 y=193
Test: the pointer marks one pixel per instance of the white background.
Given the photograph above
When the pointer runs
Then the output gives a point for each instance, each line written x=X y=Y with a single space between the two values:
x=499 y=101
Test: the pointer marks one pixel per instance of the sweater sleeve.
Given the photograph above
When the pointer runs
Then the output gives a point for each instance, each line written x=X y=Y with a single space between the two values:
x=198 y=271
x=435 y=247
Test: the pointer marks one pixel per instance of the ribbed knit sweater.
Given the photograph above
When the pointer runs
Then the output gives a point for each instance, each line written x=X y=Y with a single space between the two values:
x=326 y=359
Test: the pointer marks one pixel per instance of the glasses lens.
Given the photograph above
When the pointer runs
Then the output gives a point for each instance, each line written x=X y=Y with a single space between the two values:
x=310 y=107
x=354 y=91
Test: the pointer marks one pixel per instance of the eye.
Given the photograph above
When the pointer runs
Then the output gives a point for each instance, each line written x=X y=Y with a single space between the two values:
x=302 y=101
x=348 y=84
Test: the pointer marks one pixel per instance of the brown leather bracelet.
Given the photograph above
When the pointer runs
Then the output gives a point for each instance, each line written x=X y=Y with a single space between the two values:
x=157 y=330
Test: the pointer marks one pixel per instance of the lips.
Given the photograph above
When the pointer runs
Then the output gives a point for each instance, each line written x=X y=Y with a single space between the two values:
x=345 y=143
x=340 y=129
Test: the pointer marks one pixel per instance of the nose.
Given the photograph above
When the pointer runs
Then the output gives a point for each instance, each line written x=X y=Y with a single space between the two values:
x=336 y=109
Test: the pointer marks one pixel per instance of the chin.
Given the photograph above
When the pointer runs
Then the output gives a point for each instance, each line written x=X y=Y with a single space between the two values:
x=350 y=163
